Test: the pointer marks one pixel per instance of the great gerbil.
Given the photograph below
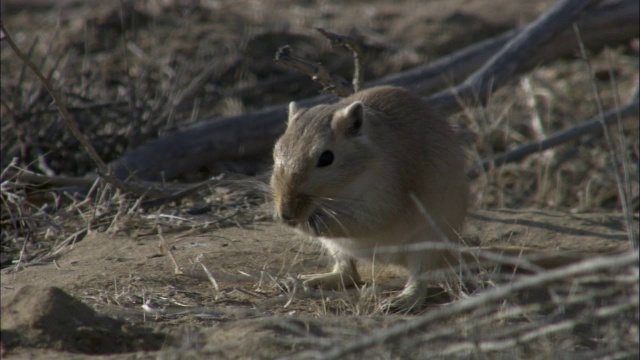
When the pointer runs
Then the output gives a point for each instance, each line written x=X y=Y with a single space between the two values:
x=374 y=170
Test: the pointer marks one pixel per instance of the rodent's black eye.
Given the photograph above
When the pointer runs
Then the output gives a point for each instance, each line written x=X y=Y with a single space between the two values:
x=325 y=159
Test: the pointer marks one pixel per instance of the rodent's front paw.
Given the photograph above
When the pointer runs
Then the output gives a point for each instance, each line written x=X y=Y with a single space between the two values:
x=327 y=281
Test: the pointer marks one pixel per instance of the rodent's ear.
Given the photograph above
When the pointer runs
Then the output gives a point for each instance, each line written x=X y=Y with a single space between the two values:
x=349 y=120
x=293 y=108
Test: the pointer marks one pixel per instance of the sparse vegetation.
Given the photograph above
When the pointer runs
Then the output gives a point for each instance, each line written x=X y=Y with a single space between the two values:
x=130 y=72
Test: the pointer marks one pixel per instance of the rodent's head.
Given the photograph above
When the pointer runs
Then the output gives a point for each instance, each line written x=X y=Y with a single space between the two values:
x=317 y=163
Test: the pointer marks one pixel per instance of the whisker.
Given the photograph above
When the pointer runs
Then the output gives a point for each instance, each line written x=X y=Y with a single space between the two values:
x=319 y=222
x=360 y=214
x=332 y=214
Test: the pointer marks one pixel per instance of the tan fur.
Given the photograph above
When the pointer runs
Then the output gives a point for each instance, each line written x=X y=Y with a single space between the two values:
x=396 y=180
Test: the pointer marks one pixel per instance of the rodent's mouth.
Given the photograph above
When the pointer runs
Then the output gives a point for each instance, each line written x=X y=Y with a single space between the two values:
x=314 y=222
x=318 y=223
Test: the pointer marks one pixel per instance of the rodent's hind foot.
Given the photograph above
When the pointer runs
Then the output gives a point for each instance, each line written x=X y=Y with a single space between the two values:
x=329 y=281
x=410 y=300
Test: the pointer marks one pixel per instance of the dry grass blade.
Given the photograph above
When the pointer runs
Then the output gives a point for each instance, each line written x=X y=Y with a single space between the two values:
x=613 y=151
x=211 y=279
x=166 y=248
x=196 y=84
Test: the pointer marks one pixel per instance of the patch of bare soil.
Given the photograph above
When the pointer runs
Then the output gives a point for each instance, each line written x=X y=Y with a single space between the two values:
x=103 y=276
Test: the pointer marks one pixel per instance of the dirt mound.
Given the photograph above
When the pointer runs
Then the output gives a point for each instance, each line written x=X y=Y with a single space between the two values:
x=49 y=317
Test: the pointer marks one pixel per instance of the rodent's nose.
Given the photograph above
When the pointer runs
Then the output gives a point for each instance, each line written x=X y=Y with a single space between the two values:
x=290 y=208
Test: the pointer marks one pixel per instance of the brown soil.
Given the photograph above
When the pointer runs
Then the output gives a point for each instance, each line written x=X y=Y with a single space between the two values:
x=113 y=292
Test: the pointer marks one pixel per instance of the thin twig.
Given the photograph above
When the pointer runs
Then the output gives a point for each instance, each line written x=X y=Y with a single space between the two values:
x=354 y=46
x=23 y=68
x=317 y=72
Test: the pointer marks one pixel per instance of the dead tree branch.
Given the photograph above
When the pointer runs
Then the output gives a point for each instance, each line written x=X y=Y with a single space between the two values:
x=608 y=23
x=511 y=59
x=251 y=136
